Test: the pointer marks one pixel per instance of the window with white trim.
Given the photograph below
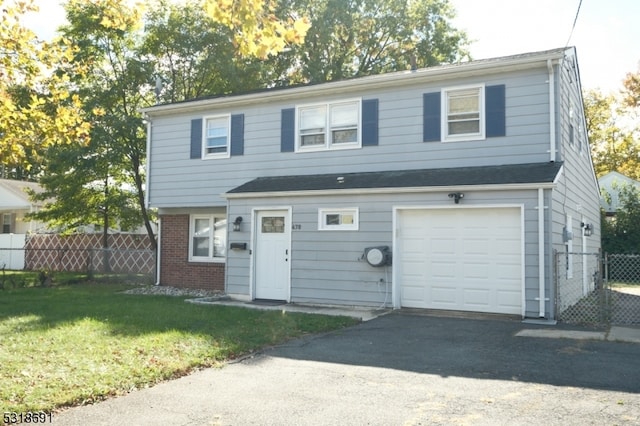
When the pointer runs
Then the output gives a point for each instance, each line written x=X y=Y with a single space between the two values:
x=345 y=219
x=463 y=117
x=329 y=126
x=6 y=223
x=215 y=143
x=207 y=238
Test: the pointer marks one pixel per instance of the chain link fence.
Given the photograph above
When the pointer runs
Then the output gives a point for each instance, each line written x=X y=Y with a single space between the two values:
x=622 y=279
x=596 y=289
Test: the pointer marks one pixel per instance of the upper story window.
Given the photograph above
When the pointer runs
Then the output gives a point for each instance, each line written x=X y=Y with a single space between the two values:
x=208 y=238
x=329 y=126
x=215 y=142
x=464 y=113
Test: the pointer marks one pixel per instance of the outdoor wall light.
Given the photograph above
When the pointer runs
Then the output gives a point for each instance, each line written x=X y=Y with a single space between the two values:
x=456 y=196
x=236 y=223
x=587 y=229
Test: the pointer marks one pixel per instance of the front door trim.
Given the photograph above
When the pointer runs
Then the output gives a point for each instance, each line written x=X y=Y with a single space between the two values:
x=286 y=210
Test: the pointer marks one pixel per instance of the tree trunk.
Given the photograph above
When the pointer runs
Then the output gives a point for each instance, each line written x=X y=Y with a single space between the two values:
x=106 y=258
x=143 y=208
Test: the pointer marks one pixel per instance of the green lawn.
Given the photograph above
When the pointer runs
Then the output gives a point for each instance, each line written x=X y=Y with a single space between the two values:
x=76 y=344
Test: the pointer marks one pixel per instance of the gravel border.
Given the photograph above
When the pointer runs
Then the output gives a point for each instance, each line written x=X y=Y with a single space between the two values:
x=173 y=291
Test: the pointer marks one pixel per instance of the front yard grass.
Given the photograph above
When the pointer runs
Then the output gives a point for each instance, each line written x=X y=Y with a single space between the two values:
x=77 y=344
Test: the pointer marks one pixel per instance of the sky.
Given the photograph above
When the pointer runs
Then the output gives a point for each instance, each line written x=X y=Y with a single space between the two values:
x=606 y=33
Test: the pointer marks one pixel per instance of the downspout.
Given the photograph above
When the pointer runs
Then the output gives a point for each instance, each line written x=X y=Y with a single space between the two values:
x=541 y=262
x=158 y=251
x=552 y=112
x=147 y=120
x=585 y=259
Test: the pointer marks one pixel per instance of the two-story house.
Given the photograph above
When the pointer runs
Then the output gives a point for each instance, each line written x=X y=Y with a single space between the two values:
x=440 y=188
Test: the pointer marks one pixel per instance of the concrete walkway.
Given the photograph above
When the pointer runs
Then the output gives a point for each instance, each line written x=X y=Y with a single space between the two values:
x=614 y=334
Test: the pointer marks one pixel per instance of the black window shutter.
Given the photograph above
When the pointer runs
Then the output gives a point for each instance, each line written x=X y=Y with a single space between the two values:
x=431 y=117
x=370 y=122
x=237 y=134
x=495 y=109
x=196 y=138
x=288 y=130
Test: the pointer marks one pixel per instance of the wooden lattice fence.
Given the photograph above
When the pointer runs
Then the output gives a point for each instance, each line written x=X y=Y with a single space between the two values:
x=127 y=253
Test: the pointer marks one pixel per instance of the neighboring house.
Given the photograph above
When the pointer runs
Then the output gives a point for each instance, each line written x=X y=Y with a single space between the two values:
x=610 y=186
x=440 y=188
x=15 y=204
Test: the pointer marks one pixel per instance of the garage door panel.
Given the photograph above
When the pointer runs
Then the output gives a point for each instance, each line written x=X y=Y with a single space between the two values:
x=505 y=247
x=470 y=259
x=475 y=298
x=444 y=246
x=443 y=270
x=443 y=296
x=413 y=245
x=509 y=299
x=475 y=246
x=413 y=293
x=474 y=271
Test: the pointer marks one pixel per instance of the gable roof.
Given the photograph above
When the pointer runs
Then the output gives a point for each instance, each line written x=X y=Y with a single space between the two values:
x=612 y=178
x=461 y=69
x=13 y=194
x=610 y=186
x=512 y=174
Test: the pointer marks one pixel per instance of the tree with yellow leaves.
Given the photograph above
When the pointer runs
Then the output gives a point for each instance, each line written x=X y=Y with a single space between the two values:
x=258 y=31
x=36 y=108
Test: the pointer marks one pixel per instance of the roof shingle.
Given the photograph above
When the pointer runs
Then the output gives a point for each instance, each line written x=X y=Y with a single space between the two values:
x=458 y=176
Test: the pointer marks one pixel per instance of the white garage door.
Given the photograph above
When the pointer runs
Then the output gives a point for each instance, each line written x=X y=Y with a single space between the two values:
x=467 y=259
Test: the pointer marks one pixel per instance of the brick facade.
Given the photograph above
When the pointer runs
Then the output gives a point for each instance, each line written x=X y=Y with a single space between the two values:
x=175 y=268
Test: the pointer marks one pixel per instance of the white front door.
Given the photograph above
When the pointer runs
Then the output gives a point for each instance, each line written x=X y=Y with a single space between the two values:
x=272 y=254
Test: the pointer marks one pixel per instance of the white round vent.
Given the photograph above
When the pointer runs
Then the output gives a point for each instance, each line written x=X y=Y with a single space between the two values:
x=377 y=256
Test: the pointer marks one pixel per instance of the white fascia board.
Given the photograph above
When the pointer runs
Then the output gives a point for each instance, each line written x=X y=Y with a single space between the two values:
x=430 y=74
x=559 y=175
x=402 y=190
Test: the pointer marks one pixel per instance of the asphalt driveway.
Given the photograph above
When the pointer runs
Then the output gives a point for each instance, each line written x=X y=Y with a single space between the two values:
x=399 y=369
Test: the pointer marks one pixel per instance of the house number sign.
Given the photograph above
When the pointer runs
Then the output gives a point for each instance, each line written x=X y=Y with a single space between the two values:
x=296 y=226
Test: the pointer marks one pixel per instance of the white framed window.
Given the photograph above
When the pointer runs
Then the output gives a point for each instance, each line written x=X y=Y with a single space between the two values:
x=464 y=115
x=329 y=126
x=344 y=219
x=6 y=223
x=207 y=238
x=215 y=141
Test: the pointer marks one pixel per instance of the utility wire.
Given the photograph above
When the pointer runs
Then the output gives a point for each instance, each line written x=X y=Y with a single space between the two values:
x=574 y=24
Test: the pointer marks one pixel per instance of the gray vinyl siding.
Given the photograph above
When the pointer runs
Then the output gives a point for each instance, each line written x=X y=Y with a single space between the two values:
x=577 y=193
x=175 y=180
x=327 y=266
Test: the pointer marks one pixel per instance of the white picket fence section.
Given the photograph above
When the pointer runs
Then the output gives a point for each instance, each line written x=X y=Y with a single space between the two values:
x=12 y=251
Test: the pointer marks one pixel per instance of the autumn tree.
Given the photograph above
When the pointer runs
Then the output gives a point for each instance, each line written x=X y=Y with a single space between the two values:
x=36 y=107
x=259 y=27
x=631 y=90
x=612 y=134
x=195 y=56
x=103 y=182
x=353 y=38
